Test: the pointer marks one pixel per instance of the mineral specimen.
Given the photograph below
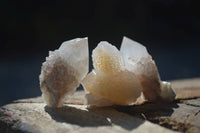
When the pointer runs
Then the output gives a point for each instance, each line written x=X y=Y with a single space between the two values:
x=109 y=79
x=124 y=77
x=139 y=61
x=63 y=71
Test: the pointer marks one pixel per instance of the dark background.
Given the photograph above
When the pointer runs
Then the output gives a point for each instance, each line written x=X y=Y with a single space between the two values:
x=170 y=29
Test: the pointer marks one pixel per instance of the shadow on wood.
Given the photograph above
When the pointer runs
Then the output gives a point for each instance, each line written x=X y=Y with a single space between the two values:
x=149 y=109
x=93 y=117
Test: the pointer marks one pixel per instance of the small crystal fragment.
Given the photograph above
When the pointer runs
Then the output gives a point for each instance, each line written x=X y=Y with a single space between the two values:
x=63 y=71
x=167 y=93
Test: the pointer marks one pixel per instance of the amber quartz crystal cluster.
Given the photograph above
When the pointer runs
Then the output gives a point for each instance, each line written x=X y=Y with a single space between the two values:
x=120 y=77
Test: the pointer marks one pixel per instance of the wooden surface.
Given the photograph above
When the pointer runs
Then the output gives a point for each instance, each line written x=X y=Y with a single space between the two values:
x=32 y=115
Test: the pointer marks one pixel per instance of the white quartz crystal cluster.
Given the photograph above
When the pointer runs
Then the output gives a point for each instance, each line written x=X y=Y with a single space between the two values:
x=124 y=77
x=63 y=71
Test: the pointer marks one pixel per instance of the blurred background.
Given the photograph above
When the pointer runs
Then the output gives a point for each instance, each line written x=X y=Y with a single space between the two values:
x=170 y=29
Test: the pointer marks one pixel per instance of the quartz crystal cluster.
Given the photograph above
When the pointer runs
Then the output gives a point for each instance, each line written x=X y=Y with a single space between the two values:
x=120 y=77
x=63 y=71
x=124 y=77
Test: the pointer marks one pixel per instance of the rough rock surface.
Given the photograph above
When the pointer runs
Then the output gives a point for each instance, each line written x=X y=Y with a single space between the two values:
x=32 y=115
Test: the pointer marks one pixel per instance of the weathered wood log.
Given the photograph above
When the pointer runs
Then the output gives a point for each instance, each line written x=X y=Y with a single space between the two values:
x=32 y=115
x=188 y=88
